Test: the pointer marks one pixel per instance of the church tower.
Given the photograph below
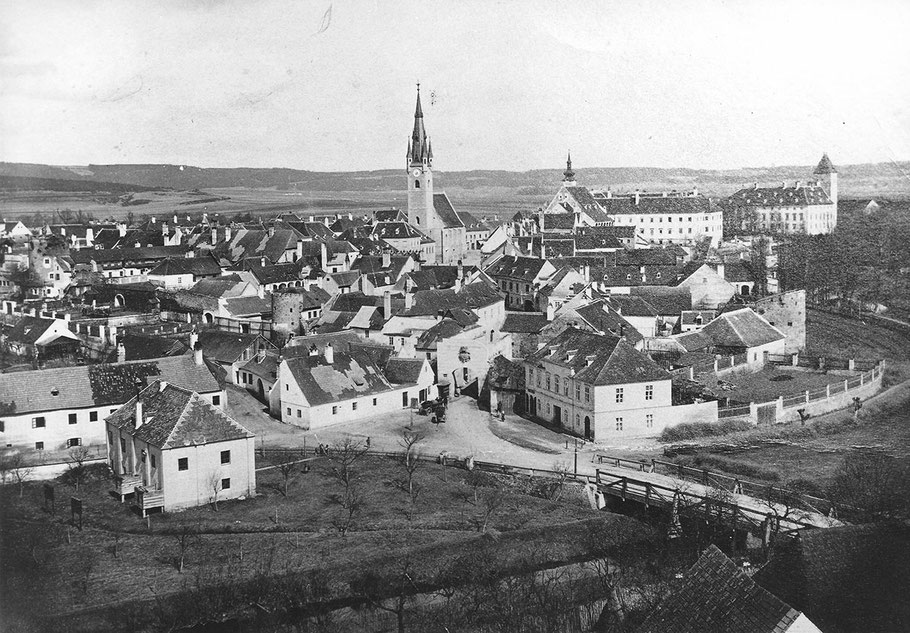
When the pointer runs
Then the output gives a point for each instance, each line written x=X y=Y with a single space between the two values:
x=569 y=175
x=421 y=213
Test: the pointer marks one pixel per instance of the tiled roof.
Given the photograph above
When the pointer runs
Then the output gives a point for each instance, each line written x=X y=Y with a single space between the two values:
x=608 y=321
x=117 y=255
x=274 y=274
x=525 y=268
x=224 y=286
x=395 y=230
x=471 y=223
x=558 y=221
x=366 y=318
x=267 y=367
x=143 y=346
x=825 y=166
x=780 y=196
x=390 y=215
x=479 y=295
x=689 y=316
x=741 y=328
x=351 y=375
x=341 y=342
x=506 y=375
x=631 y=306
x=314 y=297
x=99 y=385
x=225 y=347
x=248 y=306
x=28 y=329
x=524 y=323
x=446 y=211
x=671 y=205
x=187 y=266
x=175 y=418
x=353 y=301
x=345 y=279
x=715 y=596
x=446 y=328
x=403 y=371
x=599 y=360
x=666 y=301
x=588 y=203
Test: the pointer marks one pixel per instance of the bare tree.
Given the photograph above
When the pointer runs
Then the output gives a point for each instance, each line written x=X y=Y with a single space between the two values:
x=351 y=504
x=214 y=482
x=411 y=462
x=554 y=487
x=15 y=465
x=345 y=455
x=872 y=487
x=389 y=594
x=77 y=471
x=491 y=501
x=186 y=538
x=287 y=466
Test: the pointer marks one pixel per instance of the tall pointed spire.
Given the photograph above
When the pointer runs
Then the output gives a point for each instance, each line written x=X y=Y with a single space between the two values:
x=419 y=135
x=568 y=173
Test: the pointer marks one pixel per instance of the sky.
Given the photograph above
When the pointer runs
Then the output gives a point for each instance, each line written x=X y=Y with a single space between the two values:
x=329 y=85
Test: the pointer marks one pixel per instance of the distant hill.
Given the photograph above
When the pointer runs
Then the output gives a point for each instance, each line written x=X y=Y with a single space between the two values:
x=878 y=179
x=29 y=183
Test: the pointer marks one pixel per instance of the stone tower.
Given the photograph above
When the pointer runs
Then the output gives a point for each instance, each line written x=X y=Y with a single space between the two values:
x=828 y=175
x=568 y=175
x=421 y=213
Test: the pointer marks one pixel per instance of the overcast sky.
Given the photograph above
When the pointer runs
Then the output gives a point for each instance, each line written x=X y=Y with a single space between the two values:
x=330 y=84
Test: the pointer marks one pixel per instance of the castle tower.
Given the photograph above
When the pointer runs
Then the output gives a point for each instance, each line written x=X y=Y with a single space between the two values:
x=828 y=175
x=421 y=213
x=568 y=175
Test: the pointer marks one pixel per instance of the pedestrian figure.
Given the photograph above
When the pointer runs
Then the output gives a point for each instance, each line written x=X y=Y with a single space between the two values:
x=368 y=441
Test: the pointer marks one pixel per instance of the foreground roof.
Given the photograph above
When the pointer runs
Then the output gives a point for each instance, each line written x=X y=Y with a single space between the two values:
x=715 y=596
x=175 y=417
x=350 y=375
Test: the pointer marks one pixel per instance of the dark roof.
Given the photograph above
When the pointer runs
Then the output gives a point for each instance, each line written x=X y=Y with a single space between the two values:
x=395 y=230
x=216 y=286
x=446 y=328
x=346 y=278
x=666 y=301
x=649 y=204
x=175 y=418
x=403 y=371
x=608 y=321
x=506 y=375
x=274 y=274
x=479 y=295
x=471 y=223
x=187 y=266
x=144 y=346
x=825 y=166
x=117 y=255
x=353 y=301
x=88 y=386
x=525 y=268
x=782 y=196
x=740 y=328
x=631 y=306
x=524 y=323
x=350 y=375
x=558 y=221
x=389 y=215
x=599 y=360
x=248 y=306
x=851 y=578
x=28 y=329
x=315 y=297
x=586 y=200
x=225 y=347
x=446 y=211
x=715 y=596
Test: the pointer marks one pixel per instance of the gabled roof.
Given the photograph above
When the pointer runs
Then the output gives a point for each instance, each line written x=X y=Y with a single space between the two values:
x=217 y=287
x=395 y=230
x=28 y=329
x=471 y=223
x=446 y=211
x=741 y=328
x=187 y=266
x=175 y=417
x=341 y=342
x=277 y=273
x=88 y=386
x=599 y=360
x=588 y=203
x=650 y=204
x=249 y=306
x=608 y=321
x=350 y=375
x=525 y=268
x=506 y=375
x=403 y=371
x=446 y=328
x=782 y=196
x=667 y=302
x=367 y=318
x=225 y=347
x=314 y=297
x=346 y=278
x=479 y=295
x=715 y=596
x=353 y=301
x=389 y=215
x=524 y=322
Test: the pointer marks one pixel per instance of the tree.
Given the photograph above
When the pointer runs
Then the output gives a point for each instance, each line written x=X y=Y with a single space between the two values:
x=214 y=482
x=15 y=465
x=874 y=487
x=351 y=504
x=389 y=594
x=287 y=466
x=411 y=462
x=185 y=539
x=554 y=487
x=77 y=472
x=491 y=501
x=345 y=455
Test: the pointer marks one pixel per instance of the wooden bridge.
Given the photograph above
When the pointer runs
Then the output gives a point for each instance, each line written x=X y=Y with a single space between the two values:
x=711 y=495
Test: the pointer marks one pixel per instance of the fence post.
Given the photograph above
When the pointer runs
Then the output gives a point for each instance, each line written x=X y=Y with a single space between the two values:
x=827 y=392
x=861 y=376
x=807 y=395
x=715 y=365
x=846 y=386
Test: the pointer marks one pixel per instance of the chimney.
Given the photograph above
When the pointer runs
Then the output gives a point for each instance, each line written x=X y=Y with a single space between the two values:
x=543 y=250
x=214 y=235
x=783 y=184
x=260 y=355
x=263 y=262
x=162 y=385
x=551 y=311
x=586 y=272
x=492 y=333
x=386 y=258
x=205 y=218
x=260 y=291
x=637 y=196
x=175 y=219
x=609 y=193
x=440 y=314
x=329 y=354
x=139 y=417
x=350 y=216
x=387 y=304
x=622 y=330
x=325 y=221
x=197 y=353
x=153 y=219
x=299 y=250
x=194 y=338
x=460 y=271
x=755 y=185
x=694 y=191
x=313 y=350
x=797 y=184
x=721 y=270
x=227 y=233
x=323 y=256
x=272 y=230
x=121 y=353
x=408 y=301
x=164 y=229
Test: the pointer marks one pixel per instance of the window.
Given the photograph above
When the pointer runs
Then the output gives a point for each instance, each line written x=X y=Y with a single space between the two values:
x=577 y=391
x=353 y=406
x=298 y=413
x=538 y=379
x=619 y=424
x=73 y=418
x=226 y=483
x=417 y=184
x=289 y=410
x=225 y=457
x=565 y=416
x=548 y=408
x=649 y=421
x=92 y=416
x=548 y=381
x=287 y=387
x=38 y=423
x=530 y=375
x=112 y=410
x=39 y=446
x=154 y=461
x=183 y=463
x=587 y=393
x=649 y=392
x=619 y=394
x=335 y=410
x=216 y=400
x=556 y=384
x=374 y=402
x=74 y=441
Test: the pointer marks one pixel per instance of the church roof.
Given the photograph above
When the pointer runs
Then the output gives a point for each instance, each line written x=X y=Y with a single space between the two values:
x=446 y=211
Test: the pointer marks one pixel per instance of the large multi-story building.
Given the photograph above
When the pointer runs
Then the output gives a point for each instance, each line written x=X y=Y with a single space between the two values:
x=803 y=207
x=430 y=212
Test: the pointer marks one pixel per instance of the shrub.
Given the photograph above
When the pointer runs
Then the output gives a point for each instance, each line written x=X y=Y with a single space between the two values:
x=746 y=469
x=692 y=430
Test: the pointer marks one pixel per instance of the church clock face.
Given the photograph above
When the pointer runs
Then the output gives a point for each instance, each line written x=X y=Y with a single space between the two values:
x=416 y=173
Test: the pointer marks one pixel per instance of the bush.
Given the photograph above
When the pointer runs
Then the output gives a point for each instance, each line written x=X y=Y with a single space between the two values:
x=690 y=431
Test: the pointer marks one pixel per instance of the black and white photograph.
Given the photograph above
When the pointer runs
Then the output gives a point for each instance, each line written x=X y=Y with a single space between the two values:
x=348 y=316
